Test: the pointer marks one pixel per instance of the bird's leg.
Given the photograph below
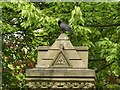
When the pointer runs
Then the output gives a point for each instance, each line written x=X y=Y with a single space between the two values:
x=62 y=31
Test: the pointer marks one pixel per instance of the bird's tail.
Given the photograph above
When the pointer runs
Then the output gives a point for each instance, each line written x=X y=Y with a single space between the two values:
x=70 y=30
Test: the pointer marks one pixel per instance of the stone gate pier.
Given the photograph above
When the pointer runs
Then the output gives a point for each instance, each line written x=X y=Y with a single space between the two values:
x=61 y=66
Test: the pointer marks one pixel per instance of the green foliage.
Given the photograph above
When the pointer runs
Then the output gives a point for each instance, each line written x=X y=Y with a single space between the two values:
x=26 y=25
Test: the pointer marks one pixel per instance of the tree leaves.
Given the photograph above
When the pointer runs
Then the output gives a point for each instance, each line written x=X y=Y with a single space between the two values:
x=26 y=25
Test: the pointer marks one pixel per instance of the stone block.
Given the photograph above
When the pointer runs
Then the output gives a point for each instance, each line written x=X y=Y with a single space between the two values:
x=61 y=66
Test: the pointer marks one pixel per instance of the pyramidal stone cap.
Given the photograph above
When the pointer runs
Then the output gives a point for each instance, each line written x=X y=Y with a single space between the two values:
x=63 y=36
x=67 y=54
x=64 y=40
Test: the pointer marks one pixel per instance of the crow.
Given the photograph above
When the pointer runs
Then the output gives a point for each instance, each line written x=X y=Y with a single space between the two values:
x=64 y=27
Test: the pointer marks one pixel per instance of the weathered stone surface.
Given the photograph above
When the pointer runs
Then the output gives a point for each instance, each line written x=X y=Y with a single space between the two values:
x=61 y=66
x=67 y=72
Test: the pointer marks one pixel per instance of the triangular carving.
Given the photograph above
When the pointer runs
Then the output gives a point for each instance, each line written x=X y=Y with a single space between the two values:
x=61 y=60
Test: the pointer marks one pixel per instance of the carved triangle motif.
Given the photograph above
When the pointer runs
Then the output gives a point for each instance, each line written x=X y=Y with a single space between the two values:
x=61 y=60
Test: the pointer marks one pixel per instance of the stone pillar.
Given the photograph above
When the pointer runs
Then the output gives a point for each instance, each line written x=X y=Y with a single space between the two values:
x=61 y=66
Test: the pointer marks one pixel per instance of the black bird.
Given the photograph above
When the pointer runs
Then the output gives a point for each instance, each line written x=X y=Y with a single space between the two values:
x=64 y=27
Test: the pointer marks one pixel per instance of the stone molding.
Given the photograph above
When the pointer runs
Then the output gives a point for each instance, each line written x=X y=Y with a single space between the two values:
x=60 y=85
x=61 y=66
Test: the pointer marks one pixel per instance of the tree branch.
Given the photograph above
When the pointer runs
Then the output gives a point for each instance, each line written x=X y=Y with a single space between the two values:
x=107 y=25
x=105 y=66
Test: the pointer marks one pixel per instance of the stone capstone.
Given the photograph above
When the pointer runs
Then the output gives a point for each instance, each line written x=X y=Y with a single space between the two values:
x=61 y=65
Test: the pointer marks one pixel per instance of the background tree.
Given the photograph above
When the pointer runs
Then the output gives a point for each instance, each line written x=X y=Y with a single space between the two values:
x=26 y=25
